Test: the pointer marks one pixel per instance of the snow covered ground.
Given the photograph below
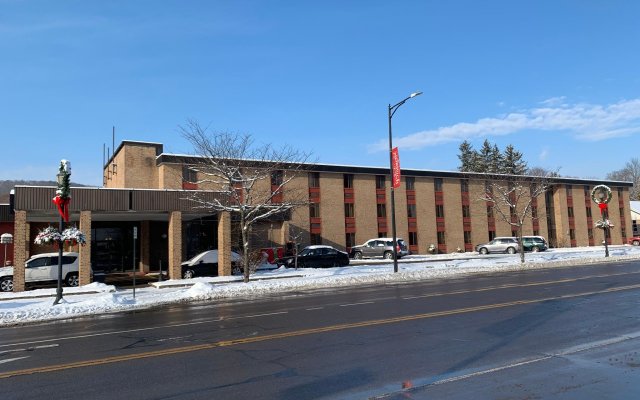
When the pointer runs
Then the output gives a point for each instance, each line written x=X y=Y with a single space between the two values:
x=98 y=298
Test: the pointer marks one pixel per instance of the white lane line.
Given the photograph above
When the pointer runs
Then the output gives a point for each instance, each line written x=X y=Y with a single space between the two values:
x=314 y=308
x=8 y=360
x=137 y=330
x=257 y=315
x=30 y=348
x=356 y=304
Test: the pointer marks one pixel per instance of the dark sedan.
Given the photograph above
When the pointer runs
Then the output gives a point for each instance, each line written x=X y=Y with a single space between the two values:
x=317 y=257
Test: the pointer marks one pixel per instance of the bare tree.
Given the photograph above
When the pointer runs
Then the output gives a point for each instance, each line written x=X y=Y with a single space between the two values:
x=512 y=199
x=255 y=179
x=631 y=173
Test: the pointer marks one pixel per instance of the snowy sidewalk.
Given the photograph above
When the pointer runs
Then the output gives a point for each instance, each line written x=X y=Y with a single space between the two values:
x=98 y=298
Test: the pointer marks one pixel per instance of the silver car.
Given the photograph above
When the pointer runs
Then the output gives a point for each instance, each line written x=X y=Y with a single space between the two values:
x=380 y=247
x=499 y=245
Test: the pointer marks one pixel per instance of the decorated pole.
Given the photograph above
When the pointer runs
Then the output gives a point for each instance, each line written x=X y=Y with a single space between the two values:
x=62 y=201
x=601 y=195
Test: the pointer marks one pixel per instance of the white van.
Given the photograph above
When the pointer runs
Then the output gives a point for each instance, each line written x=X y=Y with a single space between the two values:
x=43 y=268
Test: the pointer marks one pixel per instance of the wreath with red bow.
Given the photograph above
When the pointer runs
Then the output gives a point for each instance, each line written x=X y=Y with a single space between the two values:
x=63 y=197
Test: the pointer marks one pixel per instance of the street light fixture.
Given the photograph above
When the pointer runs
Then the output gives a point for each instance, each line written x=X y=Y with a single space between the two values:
x=64 y=172
x=392 y=110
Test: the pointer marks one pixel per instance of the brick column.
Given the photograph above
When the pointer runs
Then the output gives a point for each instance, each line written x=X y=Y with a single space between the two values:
x=85 y=251
x=284 y=233
x=175 y=244
x=145 y=246
x=224 y=243
x=20 y=244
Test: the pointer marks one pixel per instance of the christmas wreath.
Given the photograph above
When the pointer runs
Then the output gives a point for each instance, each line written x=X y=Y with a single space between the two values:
x=598 y=189
x=601 y=202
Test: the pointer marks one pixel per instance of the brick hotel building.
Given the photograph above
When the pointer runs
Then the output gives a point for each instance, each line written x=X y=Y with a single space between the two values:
x=146 y=188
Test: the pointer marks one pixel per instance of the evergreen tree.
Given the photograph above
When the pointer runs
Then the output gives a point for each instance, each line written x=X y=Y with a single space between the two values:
x=496 y=161
x=467 y=157
x=513 y=163
x=484 y=158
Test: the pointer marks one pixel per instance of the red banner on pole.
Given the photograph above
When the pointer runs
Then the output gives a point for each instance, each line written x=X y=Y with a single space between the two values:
x=395 y=170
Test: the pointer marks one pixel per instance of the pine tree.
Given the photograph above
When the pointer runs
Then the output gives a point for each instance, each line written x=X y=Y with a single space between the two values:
x=496 y=161
x=513 y=163
x=485 y=155
x=467 y=157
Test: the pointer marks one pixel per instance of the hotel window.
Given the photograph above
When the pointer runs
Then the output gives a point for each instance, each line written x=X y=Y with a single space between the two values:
x=380 y=181
x=466 y=212
x=315 y=239
x=382 y=234
x=411 y=210
x=569 y=192
x=350 y=239
x=623 y=232
x=276 y=178
x=467 y=237
x=314 y=210
x=570 y=212
x=381 y=210
x=588 y=212
x=492 y=235
x=619 y=192
x=410 y=181
x=189 y=175
x=413 y=238
x=514 y=233
x=572 y=234
x=490 y=211
x=314 y=179
x=348 y=181
x=441 y=238
x=464 y=185
x=534 y=212
x=439 y=211
x=437 y=184
x=587 y=191
x=349 y=210
x=590 y=233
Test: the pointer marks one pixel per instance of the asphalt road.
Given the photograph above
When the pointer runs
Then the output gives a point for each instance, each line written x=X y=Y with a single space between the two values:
x=570 y=333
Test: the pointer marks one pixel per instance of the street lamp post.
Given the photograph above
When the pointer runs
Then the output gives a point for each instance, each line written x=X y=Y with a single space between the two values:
x=392 y=110
x=62 y=194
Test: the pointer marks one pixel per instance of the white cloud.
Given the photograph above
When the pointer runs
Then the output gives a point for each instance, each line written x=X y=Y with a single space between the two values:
x=543 y=154
x=589 y=122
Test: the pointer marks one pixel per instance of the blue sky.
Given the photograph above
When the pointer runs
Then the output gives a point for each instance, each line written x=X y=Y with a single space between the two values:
x=557 y=79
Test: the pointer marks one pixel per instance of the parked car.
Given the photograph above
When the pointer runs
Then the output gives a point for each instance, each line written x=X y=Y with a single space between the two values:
x=317 y=256
x=499 y=245
x=43 y=268
x=206 y=264
x=380 y=247
x=634 y=241
x=534 y=243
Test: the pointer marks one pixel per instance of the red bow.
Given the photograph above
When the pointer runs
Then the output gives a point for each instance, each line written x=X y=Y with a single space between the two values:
x=63 y=207
x=603 y=206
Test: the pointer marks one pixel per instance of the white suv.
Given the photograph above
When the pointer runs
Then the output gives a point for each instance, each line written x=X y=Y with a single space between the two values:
x=43 y=268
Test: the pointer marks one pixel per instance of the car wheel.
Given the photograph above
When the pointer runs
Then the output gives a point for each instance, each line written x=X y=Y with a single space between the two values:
x=71 y=279
x=636 y=243
x=484 y=250
x=388 y=255
x=511 y=250
x=357 y=255
x=535 y=249
x=187 y=274
x=6 y=284
x=236 y=270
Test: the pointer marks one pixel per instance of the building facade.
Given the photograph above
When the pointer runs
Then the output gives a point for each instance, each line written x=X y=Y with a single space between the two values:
x=147 y=191
x=350 y=205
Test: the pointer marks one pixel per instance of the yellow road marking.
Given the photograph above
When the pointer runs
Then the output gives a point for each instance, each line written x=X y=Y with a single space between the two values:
x=303 y=332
